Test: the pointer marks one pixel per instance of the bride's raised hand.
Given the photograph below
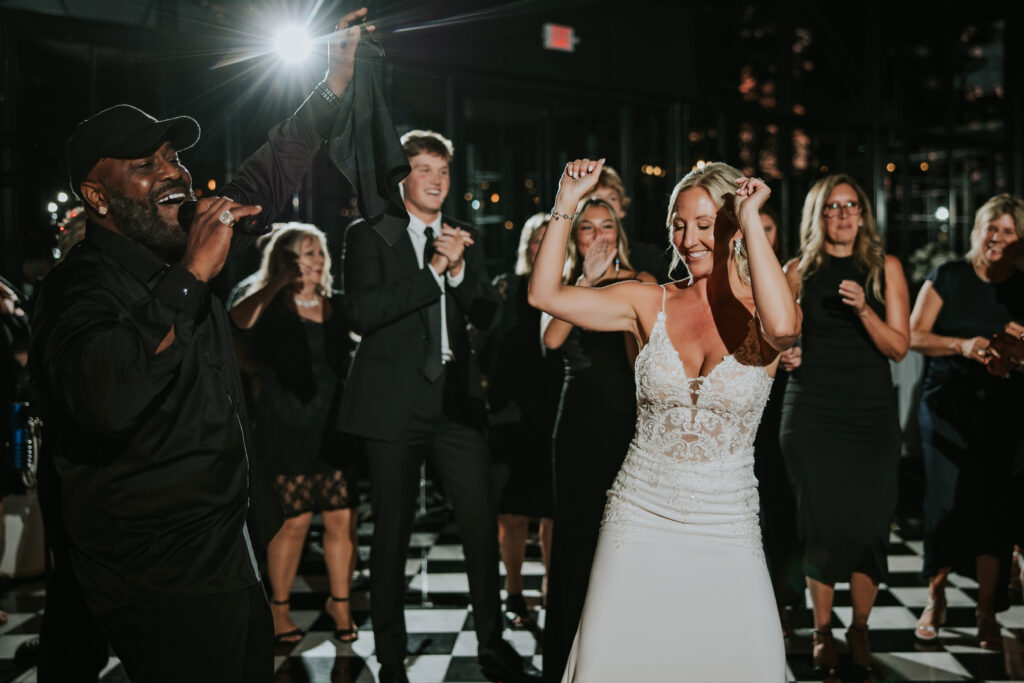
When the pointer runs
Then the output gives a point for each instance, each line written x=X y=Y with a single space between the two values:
x=578 y=179
x=602 y=252
x=751 y=195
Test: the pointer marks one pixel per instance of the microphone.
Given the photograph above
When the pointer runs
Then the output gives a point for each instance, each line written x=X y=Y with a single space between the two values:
x=247 y=225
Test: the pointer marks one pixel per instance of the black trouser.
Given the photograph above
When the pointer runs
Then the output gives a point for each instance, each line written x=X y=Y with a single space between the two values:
x=458 y=454
x=71 y=647
x=218 y=637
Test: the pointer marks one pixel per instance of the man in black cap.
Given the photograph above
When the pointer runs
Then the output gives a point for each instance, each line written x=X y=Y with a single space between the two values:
x=160 y=504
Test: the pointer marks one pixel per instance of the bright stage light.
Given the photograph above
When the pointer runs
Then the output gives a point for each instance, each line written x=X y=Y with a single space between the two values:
x=62 y=197
x=293 y=44
x=942 y=213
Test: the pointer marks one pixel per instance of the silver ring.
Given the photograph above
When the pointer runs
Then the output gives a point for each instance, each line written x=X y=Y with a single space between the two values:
x=227 y=218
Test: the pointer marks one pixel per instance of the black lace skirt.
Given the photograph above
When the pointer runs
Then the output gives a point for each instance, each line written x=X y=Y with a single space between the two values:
x=301 y=493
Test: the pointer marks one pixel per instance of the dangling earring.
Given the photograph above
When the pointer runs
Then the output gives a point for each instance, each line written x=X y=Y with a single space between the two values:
x=737 y=246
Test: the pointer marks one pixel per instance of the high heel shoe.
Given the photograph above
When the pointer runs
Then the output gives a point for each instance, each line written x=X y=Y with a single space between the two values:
x=286 y=637
x=860 y=650
x=345 y=635
x=515 y=605
x=935 y=612
x=990 y=635
x=824 y=655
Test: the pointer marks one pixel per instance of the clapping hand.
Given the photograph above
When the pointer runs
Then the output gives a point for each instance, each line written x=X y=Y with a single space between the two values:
x=578 y=179
x=449 y=248
x=599 y=258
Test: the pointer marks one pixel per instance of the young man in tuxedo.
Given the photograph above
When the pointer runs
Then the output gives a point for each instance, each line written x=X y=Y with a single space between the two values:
x=412 y=283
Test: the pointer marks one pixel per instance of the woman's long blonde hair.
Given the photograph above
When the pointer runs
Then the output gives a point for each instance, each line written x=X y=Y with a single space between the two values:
x=718 y=179
x=573 y=261
x=1000 y=205
x=285 y=244
x=868 y=250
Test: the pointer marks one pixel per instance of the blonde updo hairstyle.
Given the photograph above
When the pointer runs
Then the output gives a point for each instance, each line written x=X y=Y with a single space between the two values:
x=284 y=246
x=719 y=181
x=868 y=250
x=993 y=209
x=573 y=260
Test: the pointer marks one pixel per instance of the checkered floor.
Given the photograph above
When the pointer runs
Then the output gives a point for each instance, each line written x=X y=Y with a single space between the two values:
x=443 y=646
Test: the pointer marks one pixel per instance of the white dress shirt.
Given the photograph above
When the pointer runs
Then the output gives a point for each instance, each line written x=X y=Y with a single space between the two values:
x=419 y=239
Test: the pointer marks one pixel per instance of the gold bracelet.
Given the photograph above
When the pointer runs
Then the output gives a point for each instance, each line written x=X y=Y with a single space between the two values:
x=558 y=214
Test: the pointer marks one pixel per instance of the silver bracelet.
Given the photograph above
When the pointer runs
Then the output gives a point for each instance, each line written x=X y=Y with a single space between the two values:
x=558 y=214
x=325 y=92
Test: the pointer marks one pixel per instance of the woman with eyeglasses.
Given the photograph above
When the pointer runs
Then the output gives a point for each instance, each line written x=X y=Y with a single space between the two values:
x=840 y=432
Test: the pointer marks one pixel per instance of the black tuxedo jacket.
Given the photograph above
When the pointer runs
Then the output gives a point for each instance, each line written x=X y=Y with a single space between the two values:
x=387 y=295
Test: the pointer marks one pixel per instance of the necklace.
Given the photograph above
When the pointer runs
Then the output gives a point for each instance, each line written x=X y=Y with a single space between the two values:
x=307 y=303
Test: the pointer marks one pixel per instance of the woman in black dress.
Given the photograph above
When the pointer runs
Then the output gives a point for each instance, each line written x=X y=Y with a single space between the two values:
x=969 y=417
x=595 y=422
x=522 y=395
x=295 y=343
x=840 y=431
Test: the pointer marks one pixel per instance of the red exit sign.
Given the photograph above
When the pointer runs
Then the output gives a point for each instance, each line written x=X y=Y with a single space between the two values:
x=559 y=37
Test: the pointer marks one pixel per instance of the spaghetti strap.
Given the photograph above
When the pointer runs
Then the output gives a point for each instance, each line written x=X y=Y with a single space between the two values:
x=664 y=291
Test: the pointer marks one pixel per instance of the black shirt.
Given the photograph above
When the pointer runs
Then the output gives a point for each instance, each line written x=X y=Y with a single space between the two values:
x=971 y=308
x=151 y=448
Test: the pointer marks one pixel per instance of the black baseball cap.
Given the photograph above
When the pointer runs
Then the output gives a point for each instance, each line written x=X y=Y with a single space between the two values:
x=123 y=132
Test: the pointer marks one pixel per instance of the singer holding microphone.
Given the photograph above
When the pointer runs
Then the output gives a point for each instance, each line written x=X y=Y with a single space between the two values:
x=161 y=507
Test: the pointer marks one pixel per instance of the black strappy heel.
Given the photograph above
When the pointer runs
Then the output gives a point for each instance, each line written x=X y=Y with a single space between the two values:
x=287 y=637
x=345 y=635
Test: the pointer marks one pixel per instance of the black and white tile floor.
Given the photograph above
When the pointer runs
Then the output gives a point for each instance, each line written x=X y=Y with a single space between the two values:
x=443 y=645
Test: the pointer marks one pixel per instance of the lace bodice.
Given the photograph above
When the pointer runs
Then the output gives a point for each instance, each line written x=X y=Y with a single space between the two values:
x=692 y=457
x=709 y=418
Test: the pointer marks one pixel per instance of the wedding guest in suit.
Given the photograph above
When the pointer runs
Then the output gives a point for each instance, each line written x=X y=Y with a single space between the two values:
x=412 y=284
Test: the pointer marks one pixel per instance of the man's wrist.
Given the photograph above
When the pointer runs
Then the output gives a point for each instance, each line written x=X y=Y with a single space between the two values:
x=325 y=90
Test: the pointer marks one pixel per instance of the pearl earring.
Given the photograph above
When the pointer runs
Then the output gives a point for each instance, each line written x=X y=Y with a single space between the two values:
x=103 y=211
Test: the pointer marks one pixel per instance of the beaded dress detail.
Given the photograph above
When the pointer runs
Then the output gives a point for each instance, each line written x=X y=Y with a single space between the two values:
x=679 y=559
x=694 y=441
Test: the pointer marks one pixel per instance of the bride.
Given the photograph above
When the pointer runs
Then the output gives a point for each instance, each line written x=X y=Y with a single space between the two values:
x=679 y=589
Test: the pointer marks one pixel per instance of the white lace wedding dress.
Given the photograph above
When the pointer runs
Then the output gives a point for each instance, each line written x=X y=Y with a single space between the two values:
x=679 y=589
